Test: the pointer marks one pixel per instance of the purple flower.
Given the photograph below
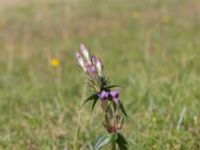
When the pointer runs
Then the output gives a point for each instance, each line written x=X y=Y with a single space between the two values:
x=80 y=60
x=115 y=95
x=93 y=68
x=94 y=60
x=85 y=52
x=99 y=66
x=103 y=95
x=90 y=68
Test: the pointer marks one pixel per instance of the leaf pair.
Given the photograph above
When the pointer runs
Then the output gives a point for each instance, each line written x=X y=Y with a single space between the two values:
x=94 y=98
x=106 y=88
x=120 y=104
x=121 y=142
x=108 y=139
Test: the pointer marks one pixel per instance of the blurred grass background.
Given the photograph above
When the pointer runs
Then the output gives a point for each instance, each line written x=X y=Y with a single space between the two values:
x=151 y=47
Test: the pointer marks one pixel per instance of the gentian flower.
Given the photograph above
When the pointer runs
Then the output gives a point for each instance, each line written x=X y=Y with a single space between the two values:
x=85 y=52
x=103 y=95
x=94 y=60
x=115 y=95
x=90 y=68
x=93 y=68
x=80 y=60
x=109 y=98
x=99 y=66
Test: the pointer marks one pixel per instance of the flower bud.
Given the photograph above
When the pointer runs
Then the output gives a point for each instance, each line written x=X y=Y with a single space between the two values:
x=115 y=95
x=85 y=52
x=99 y=66
x=103 y=95
x=94 y=60
x=111 y=129
x=93 y=68
x=80 y=60
x=90 y=68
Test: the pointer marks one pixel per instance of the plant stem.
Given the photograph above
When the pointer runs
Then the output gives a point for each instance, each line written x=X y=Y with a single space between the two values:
x=114 y=146
x=79 y=119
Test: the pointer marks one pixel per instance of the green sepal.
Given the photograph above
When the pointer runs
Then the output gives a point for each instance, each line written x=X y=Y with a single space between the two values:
x=122 y=109
x=104 y=140
x=121 y=142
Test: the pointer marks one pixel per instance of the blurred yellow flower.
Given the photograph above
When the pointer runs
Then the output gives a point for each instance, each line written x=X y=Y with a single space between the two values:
x=55 y=62
x=136 y=14
x=166 y=19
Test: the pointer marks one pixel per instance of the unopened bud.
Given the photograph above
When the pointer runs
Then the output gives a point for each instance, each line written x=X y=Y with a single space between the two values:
x=80 y=60
x=115 y=95
x=94 y=60
x=99 y=66
x=85 y=52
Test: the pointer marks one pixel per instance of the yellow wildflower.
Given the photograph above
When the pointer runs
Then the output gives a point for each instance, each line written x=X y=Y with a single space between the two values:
x=55 y=62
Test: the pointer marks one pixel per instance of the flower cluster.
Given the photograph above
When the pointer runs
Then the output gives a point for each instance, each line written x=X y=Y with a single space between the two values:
x=103 y=91
x=92 y=66
x=104 y=95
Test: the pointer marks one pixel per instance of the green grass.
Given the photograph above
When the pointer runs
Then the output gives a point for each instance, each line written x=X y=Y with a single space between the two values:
x=154 y=58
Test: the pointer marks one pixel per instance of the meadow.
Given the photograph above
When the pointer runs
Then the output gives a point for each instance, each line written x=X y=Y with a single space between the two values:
x=150 y=47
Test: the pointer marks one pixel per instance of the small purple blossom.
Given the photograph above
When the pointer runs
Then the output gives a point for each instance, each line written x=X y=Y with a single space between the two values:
x=85 y=52
x=78 y=55
x=115 y=95
x=94 y=59
x=80 y=60
x=103 y=95
x=90 y=68
x=93 y=68
x=99 y=66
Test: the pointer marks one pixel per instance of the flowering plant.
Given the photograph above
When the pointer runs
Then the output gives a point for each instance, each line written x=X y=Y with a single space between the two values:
x=108 y=95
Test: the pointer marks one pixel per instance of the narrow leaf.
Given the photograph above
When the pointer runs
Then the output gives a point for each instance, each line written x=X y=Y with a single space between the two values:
x=110 y=86
x=92 y=97
x=122 y=109
x=94 y=103
x=121 y=142
x=105 y=139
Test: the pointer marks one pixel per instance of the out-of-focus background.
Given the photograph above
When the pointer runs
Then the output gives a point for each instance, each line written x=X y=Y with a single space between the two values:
x=150 y=47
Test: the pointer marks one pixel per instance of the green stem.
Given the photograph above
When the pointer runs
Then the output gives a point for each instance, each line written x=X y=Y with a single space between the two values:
x=114 y=146
x=79 y=119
